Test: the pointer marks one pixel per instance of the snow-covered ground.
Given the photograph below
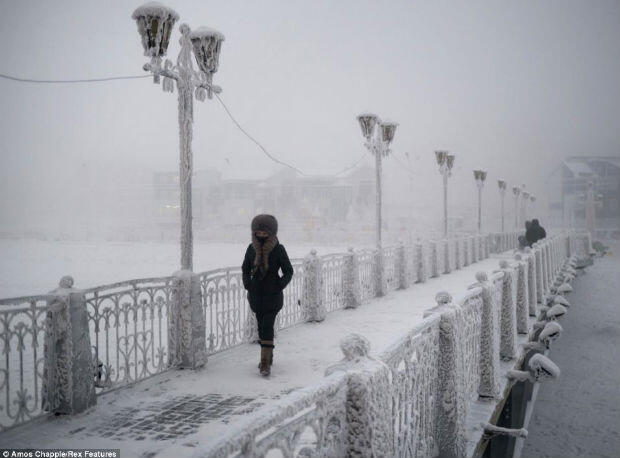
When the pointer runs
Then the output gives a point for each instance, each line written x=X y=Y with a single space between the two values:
x=579 y=414
x=302 y=354
x=30 y=267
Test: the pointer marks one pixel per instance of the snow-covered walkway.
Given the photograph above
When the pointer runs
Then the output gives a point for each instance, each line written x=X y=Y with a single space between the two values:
x=170 y=413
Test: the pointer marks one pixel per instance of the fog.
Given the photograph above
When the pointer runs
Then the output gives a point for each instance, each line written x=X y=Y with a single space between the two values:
x=513 y=87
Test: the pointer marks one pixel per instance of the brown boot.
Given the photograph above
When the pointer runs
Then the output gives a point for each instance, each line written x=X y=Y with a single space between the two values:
x=266 y=357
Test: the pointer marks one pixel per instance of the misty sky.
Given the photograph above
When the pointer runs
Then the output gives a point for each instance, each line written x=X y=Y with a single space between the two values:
x=506 y=85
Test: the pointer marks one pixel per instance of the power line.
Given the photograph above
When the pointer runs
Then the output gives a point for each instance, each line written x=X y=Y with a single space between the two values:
x=256 y=142
x=228 y=112
x=89 y=80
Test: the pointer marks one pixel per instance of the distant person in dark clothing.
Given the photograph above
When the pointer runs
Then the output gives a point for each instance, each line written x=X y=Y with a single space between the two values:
x=535 y=233
x=264 y=257
x=527 y=225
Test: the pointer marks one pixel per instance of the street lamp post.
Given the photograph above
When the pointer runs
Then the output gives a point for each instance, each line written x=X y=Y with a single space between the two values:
x=480 y=176
x=445 y=160
x=379 y=135
x=501 y=184
x=155 y=23
x=411 y=197
x=516 y=191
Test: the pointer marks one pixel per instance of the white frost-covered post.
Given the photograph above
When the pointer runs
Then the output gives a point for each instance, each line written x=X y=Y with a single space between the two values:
x=466 y=256
x=68 y=383
x=522 y=307
x=370 y=431
x=457 y=253
x=379 y=135
x=155 y=23
x=187 y=348
x=446 y=257
x=502 y=193
x=402 y=275
x=313 y=288
x=489 y=340
x=508 y=316
x=538 y=271
x=445 y=160
x=452 y=403
x=480 y=176
x=531 y=282
x=434 y=259
x=379 y=273
x=474 y=249
x=422 y=269
x=516 y=191
x=351 y=285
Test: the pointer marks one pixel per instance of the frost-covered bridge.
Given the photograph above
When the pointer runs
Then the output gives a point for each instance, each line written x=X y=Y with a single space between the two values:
x=416 y=380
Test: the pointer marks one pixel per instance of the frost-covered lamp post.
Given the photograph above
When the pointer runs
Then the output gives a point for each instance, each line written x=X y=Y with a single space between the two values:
x=502 y=193
x=532 y=200
x=379 y=136
x=516 y=191
x=480 y=176
x=155 y=23
x=445 y=160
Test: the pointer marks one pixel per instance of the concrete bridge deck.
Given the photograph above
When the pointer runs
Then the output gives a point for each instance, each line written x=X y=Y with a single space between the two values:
x=172 y=413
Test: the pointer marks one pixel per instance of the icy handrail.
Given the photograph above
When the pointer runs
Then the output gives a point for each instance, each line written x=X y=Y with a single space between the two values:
x=261 y=426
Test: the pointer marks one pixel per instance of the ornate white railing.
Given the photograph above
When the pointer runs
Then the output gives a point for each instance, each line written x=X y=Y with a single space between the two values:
x=128 y=324
x=435 y=371
x=129 y=321
x=22 y=332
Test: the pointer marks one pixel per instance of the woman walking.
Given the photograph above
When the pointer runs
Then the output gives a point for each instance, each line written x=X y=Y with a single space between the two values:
x=264 y=257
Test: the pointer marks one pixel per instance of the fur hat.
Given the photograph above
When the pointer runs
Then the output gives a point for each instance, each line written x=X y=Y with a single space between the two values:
x=267 y=223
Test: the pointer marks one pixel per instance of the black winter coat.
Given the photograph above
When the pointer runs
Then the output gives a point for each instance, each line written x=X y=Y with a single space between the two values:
x=265 y=295
x=534 y=234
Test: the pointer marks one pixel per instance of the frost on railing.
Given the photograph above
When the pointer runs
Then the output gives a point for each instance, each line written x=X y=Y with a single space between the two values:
x=225 y=307
x=367 y=281
x=311 y=421
x=332 y=266
x=291 y=312
x=128 y=324
x=22 y=331
x=469 y=319
x=390 y=261
x=413 y=361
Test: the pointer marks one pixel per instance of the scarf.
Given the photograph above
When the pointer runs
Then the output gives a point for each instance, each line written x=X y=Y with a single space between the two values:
x=262 y=253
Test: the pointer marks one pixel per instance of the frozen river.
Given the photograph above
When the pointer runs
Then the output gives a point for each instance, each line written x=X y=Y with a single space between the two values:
x=29 y=267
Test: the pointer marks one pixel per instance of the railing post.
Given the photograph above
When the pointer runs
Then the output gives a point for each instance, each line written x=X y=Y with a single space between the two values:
x=421 y=263
x=457 y=254
x=474 y=250
x=402 y=274
x=508 y=315
x=68 y=371
x=451 y=430
x=532 y=296
x=187 y=347
x=368 y=399
x=489 y=340
x=351 y=281
x=539 y=274
x=446 y=257
x=434 y=261
x=379 y=273
x=466 y=255
x=523 y=306
x=313 y=288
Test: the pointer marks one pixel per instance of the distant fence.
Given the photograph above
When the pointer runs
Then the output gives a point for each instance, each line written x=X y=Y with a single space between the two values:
x=130 y=322
x=416 y=395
